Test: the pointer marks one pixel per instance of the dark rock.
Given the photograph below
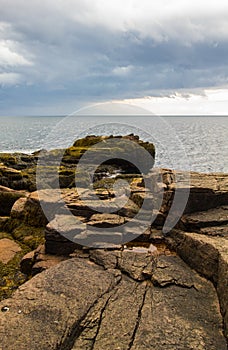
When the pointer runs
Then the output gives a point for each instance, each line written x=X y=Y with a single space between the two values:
x=123 y=148
x=212 y=217
x=142 y=197
x=129 y=210
x=217 y=231
x=3 y=222
x=27 y=262
x=7 y=199
x=159 y=219
x=156 y=236
x=60 y=235
x=13 y=178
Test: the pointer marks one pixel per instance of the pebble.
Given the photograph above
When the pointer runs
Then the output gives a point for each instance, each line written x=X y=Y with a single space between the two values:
x=5 y=309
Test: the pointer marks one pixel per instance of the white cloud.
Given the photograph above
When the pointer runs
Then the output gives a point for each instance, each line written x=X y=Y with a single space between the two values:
x=122 y=71
x=9 y=79
x=13 y=60
x=208 y=102
x=9 y=57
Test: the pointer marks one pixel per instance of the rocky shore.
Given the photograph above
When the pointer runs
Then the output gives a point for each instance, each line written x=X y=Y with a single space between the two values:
x=159 y=291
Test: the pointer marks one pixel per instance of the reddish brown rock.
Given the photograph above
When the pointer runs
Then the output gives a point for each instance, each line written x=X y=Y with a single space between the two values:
x=8 y=249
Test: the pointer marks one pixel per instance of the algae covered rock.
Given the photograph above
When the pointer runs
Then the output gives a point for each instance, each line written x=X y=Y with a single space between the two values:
x=126 y=147
x=58 y=167
x=11 y=253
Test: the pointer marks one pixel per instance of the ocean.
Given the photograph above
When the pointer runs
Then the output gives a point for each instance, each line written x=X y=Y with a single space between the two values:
x=198 y=143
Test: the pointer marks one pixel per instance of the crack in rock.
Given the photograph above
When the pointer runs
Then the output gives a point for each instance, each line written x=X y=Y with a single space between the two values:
x=68 y=339
x=137 y=320
x=91 y=324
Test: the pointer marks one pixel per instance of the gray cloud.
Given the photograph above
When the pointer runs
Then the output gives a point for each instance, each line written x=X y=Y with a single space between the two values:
x=72 y=52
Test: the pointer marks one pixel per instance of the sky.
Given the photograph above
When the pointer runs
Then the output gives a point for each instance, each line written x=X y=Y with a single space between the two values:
x=170 y=57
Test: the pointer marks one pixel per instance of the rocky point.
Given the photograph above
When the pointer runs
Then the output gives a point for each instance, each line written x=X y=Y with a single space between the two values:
x=139 y=288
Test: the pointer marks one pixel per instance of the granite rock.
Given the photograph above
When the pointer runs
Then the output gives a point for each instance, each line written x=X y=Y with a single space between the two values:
x=80 y=305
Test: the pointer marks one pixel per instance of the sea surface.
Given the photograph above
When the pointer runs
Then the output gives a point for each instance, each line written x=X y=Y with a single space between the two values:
x=198 y=143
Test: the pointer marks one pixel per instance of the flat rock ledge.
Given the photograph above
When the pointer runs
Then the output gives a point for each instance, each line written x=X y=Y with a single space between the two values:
x=114 y=300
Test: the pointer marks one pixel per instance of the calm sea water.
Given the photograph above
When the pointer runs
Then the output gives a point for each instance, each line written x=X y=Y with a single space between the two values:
x=186 y=143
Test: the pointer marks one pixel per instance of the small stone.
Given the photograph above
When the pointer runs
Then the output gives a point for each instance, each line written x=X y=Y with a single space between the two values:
x=5 y=309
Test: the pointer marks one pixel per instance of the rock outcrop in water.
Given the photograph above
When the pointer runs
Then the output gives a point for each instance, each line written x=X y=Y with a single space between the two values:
x=18 y=171
x=158 y=291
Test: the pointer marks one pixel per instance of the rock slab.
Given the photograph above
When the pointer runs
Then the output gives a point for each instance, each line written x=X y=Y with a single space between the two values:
x=80 y=305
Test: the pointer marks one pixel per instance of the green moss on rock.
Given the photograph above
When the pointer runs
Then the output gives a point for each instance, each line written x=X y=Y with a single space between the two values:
x=31 y=236
x=58 y=166
x=8 y=159
x=88 y=141
x=11 y=277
